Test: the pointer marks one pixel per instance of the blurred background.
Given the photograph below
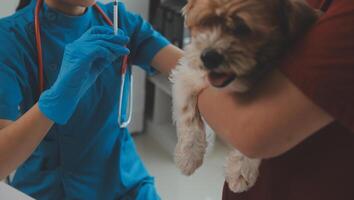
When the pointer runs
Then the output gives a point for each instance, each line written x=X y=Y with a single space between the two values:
x=152 y=126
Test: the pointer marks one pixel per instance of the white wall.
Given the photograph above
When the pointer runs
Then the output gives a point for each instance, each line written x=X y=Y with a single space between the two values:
x=138 y=6
x=8 y=7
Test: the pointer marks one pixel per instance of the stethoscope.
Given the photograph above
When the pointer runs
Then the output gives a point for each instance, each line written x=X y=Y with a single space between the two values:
x=121 y=122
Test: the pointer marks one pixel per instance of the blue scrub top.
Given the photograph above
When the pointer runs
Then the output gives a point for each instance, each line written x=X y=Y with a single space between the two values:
x=90 y=157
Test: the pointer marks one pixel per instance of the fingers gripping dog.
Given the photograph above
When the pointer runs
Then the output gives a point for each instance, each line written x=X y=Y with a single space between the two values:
x=234 y=44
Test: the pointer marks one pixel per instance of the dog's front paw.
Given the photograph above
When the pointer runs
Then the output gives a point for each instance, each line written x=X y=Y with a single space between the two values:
x=188 y=157
x=241 y=172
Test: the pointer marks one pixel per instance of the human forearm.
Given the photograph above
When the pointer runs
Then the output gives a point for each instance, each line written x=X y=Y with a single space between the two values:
x=167 y=59
x=20 y=138
x=267 y=124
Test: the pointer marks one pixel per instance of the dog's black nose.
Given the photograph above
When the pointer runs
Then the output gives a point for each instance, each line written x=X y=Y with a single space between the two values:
x=211 y=59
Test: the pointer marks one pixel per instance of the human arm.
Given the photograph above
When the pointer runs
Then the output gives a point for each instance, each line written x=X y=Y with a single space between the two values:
x=313 y=88
x=166 y=59
x=19 y=139
x=278 y=118
x=149 y=49
x=273 y=120
x=266 y=125
x=4 y=123
x=245 y=122
x=290 y=105
x=254 y=134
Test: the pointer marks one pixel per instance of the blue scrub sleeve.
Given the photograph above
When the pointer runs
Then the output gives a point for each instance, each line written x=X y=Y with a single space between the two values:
x=10 y=81
x=10 y=94
x=144 y=43
x=147 y=43
x=147 y=191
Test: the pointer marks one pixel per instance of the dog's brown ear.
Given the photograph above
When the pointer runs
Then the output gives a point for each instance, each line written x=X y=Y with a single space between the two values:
x=185 y=11
x=188 y=7
x=296 y=16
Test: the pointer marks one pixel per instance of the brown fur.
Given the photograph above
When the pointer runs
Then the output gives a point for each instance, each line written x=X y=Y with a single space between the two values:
x=274 y=25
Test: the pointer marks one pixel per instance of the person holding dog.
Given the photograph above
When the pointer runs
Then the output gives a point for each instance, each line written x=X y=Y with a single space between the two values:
x=301 y=119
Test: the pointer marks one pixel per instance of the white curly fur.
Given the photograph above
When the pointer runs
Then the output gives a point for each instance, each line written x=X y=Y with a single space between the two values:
x=192 y=143
x=241 y=172
x=189 y=79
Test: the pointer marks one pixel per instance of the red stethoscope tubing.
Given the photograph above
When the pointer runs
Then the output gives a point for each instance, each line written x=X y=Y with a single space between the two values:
x=39 y=43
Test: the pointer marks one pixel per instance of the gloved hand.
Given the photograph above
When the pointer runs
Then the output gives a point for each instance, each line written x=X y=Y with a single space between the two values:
x=83 y=61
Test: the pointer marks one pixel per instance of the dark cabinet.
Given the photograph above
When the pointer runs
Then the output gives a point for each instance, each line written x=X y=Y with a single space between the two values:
x=166 y=17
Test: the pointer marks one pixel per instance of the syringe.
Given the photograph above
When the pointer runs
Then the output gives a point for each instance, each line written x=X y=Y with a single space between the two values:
x=115 y=17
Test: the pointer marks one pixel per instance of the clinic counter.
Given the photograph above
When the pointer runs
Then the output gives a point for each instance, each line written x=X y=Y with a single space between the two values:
x=9 y=193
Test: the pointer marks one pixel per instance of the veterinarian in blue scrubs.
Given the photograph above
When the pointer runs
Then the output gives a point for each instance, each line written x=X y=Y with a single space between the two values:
x=84 y=153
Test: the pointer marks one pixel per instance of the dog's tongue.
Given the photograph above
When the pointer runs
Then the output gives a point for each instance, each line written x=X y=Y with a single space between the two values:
x=220 y=79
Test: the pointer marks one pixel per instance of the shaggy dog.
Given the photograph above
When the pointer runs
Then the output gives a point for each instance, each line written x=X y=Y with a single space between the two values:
x=234 y=43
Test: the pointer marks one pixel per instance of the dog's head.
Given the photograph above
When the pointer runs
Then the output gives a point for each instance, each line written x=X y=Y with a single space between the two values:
x=232 y=39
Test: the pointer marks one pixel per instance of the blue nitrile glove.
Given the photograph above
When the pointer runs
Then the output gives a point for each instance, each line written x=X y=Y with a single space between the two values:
x=83 y=61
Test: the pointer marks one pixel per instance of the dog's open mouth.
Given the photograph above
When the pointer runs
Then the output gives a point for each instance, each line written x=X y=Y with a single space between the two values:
x=221 y=80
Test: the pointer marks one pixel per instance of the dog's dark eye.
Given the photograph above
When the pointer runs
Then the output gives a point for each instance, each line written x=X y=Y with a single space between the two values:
x=241 y=28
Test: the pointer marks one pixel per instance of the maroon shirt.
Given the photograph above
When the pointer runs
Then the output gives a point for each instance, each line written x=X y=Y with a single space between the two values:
x=321 y=65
